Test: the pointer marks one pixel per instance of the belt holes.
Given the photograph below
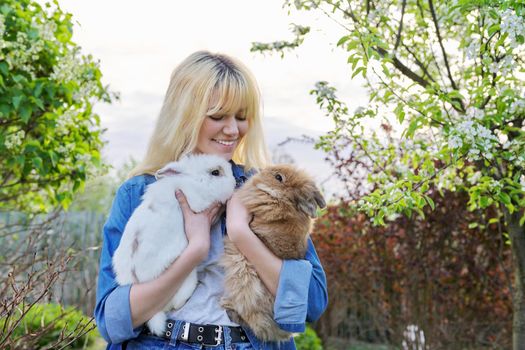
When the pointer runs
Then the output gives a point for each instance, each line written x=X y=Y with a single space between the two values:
x=201 y=329
x=199 y=337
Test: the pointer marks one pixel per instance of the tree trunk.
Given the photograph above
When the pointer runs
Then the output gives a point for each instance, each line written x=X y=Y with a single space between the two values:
x=517 y=237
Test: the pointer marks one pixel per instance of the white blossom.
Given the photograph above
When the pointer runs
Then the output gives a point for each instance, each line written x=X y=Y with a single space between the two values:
x=474 y=177
x=472 y=50
x=84 y=158
x=517 y=106
x=2 y=25
x=46 y=29
x=65 y=149
x=68 y=68
x=513 y=25
x=471 y=132
x=475 y=113
x=455 y=141
x=324 y=91
x=65 y=121
x=14 y=140
x=85 y=90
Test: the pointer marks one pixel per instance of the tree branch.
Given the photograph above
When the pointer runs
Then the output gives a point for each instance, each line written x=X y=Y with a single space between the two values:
x=400 y=29
x=403 y=68
x=440 y=41
x=419 y=63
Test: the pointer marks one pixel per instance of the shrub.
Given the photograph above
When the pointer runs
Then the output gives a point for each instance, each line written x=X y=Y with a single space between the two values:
x=51 y=325
x=308 y=340
x=443 y=274
x=50 y=138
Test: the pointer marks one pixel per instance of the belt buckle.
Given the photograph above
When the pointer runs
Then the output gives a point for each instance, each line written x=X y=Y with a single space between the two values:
x=185 y=331
x=218 y=337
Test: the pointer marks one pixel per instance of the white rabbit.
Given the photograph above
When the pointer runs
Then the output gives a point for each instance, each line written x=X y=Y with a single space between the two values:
x=154 y=235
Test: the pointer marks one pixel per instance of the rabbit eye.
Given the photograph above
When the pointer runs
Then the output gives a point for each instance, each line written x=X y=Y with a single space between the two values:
x=278 y=177
x=215 y=172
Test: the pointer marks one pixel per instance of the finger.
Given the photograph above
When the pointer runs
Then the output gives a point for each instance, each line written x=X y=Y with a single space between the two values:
x=183 y=202
x=216 y=210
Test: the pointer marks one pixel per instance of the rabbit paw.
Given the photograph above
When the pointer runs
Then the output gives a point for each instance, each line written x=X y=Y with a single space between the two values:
x=157 y=324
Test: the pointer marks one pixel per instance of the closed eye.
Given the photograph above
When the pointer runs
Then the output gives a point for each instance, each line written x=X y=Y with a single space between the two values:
x=216 y=117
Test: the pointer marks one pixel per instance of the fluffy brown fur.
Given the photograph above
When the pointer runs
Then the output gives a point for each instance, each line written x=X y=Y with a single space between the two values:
x=282 y=201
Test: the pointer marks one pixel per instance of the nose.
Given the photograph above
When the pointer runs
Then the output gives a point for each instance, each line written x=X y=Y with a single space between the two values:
x=231 y=128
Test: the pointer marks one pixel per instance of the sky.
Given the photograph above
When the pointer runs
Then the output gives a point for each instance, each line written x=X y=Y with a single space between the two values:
x=139 y=43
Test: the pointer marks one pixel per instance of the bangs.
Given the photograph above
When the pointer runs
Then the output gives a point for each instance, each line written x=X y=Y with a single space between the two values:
x=233 y=96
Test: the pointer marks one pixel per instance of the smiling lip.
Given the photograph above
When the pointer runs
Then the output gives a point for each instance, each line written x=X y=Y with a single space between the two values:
x=225 y=142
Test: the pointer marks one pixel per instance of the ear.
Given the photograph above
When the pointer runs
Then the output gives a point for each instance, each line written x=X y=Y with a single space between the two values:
x=309 y=205
x=319 y=199
x=168 y=170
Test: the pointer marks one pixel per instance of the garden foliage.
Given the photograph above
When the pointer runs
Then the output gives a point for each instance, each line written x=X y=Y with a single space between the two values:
x=49 y=326
x=49 y=135
x=50 y=142
x=448 y=76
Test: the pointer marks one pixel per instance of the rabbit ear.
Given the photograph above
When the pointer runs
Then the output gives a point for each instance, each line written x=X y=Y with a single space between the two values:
x=309 y=205
x=319 y=199
x=169 y=170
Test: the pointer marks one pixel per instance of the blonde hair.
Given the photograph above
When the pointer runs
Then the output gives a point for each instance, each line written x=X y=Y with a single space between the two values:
x=186 y=104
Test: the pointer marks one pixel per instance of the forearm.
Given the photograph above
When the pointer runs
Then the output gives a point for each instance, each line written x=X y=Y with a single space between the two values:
x=267 y=265
x=148 y=298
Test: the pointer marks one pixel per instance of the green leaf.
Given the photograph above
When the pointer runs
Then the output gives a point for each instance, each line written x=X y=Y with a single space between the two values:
x=18 y=78
x=343 y=40
x=484 y=201
x=359 y=70
x=504 y=198
x=37 y=162
x=412 y=127
x=4 y=68
x=430 y=202
x=16 y=100
x=38 y=88
x=25 y=113
x=54 y=157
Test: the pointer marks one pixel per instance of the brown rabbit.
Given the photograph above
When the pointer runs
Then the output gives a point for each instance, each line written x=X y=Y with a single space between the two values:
x=282 y=201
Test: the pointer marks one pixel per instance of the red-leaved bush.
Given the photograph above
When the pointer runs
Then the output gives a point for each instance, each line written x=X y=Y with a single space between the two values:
x=418 y=283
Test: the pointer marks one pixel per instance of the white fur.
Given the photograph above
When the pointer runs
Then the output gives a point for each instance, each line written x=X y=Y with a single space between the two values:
x=156 y=228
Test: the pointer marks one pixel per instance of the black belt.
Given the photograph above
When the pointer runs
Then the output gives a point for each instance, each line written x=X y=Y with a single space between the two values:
x=207 y=335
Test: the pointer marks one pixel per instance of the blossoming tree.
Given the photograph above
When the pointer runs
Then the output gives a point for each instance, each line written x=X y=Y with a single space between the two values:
x=450 y=76
x=49 y=135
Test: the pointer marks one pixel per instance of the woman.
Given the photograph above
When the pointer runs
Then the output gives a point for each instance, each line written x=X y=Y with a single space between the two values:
x=211 y=106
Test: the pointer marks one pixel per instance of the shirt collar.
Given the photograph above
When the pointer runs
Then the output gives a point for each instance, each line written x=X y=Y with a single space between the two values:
x=238 y=174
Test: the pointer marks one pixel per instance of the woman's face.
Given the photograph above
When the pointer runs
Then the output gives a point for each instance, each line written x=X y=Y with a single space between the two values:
x=220 y=133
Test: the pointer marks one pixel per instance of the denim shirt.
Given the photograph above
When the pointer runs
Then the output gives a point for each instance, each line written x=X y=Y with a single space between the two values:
x=301 y=293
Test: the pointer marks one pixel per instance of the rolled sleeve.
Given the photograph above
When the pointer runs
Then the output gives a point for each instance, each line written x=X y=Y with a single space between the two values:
x=118 y=315
x=291 y=300
x=301 y=294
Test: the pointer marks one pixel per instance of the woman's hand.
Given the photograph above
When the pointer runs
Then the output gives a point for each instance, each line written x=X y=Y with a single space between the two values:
x=267 y=265
x=237 y=218
x=197 y=225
